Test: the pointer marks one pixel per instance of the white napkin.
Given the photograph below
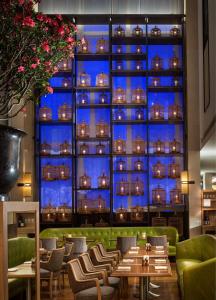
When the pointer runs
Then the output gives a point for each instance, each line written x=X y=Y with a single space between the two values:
x=125 y=260
x=27 y=262
x=133 y=252
x=42 y=249
x=160 y=260
x=159 y=247
x=135 y=248
x=12 y=269
x=159 y=251
x=123 y=268
x=161 y=267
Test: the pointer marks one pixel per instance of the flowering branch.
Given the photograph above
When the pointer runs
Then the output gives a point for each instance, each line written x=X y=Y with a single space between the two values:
x=31 y=45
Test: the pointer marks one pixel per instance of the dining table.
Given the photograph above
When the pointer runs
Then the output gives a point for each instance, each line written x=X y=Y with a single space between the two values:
x=132 y=265
x=25 y=271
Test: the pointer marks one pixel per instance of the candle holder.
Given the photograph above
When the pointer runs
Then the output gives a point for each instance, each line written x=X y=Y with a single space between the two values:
x=138 y=65
x=85 y=182
x=121 y=165
x=65 y=112
x=174 y=63
x=174 y=147
x=174 y=112
x=84 y=79
x=158 y=147
x=100 y=149
x=119 y=115
x=102 y=80
x=83 y=130
x=45 y=114
x=175 y=197
x=119 y=96
x=137 y=31
x=84 y=46
x=64 y=213
x=137 y=188
x=122 y=188
x=102 y=129
x=119 y=31
x=66 y=83
x=119 y=65
x=119 y=49
x=175 y=82
x=84 y=149
x=175 y=32
x=174 y=170
x=49 y=173
x=64 y=65
x=138 y=165
x=83 y=205
x=155 y=82
x=65 y=148
x=103 y=181
x=63 y=172
x=158 y=171
x=157 y=63
x=121 y=214
x=83 y=99
x=139 y=114
x=155 y=32
x=138 y=146
x=119 y=146
x=45 y=149
x=157 y=112
x=158 y=196
x=138 y=49
x=103 y=99
x=101 y=46
x=138 y=96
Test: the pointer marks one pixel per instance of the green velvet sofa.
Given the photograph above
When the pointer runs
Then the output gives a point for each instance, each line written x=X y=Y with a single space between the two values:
x=196 y=267
x=19 y=250
x=108 y=235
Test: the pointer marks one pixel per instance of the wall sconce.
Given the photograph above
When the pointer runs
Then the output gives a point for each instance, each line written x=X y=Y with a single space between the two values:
x=26 y=184
x=185 y=182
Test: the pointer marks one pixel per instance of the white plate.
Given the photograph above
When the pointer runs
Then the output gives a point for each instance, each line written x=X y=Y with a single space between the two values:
x=12 y=269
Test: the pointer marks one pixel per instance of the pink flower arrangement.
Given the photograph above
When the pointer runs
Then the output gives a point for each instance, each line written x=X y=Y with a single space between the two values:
x=31 y=52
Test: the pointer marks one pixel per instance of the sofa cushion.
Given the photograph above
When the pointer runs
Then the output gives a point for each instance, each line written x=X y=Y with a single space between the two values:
x=181 y=265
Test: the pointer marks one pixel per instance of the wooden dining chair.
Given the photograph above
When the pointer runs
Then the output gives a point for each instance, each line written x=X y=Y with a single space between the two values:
x=98 y=259
x=116 y=254
x=86 y=287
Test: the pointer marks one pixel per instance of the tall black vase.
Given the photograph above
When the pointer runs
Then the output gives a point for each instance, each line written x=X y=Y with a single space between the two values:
x=10 y=140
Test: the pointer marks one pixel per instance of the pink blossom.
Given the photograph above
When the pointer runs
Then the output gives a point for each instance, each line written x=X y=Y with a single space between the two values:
x=54 y=23
x=47 y=63
x=50 y=89
x=20 y=69
x=21 y=2
x=40 y=17
x=59 y=17
x=37 y=60
x=55 y=69
x=61 y=30
x=27 y=21
x=70 y=39
x=45 y=47
x=33 y=66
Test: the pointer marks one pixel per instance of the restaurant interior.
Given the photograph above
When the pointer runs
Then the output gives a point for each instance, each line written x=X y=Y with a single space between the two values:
x=108 y=150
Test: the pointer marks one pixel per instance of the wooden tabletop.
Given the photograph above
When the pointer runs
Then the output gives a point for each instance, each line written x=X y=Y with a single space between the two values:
x=139 y=253
x=23 y=271
x=138 y=261
x=137 y=270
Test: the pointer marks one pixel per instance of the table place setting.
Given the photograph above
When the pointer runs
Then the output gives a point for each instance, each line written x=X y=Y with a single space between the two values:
x=123 y=268
x=134 y=248
x=28 y=262
x=159 y=251
x=133 y=252
x=12 y=269
x=127 y=260
x=161 y=268
x=159 y=247
x=160 y=260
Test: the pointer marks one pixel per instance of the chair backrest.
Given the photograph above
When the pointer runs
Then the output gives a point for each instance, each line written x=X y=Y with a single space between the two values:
x=157 y=240
x=101 y=249
x=75 y=274
x=124 y=243
x=48 y=243
x=80 y=245
x=86 y=263
x=55 y=260
x=69 y=251
x=95 y=254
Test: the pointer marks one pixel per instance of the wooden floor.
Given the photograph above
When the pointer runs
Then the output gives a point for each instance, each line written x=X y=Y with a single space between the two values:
x=168 y=289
